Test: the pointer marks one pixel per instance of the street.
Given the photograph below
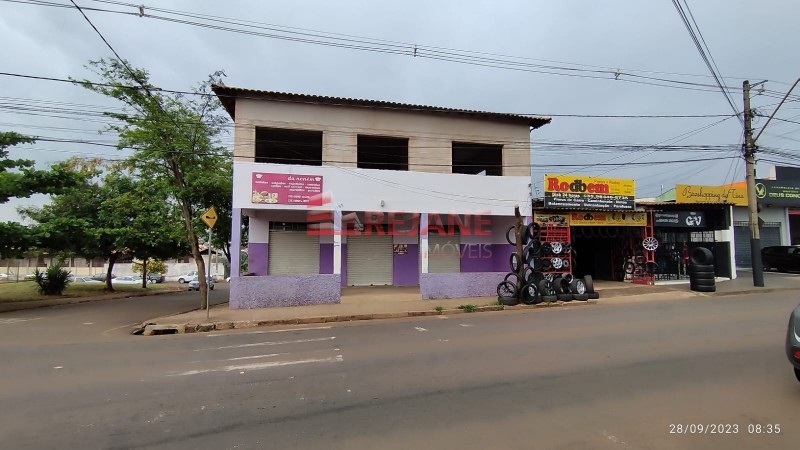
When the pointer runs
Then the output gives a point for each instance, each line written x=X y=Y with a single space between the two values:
x=634 y=374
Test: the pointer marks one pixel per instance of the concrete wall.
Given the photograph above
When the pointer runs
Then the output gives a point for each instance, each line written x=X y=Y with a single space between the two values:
x=767 y=214
x=430 y=136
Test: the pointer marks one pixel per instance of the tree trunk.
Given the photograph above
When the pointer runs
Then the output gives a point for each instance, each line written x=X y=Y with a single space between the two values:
x=198 y=258
x=144 y=273
x=111 y=260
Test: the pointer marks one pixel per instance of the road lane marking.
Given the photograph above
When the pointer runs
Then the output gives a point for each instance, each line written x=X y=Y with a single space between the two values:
x=256 y=356
x=420 y=329
x=259 y=366
x=466 y=325
x=270 y=331
x=17 y=320
x=270 y=343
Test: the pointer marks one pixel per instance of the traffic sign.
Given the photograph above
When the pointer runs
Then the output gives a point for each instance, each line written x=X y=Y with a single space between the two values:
x=209 y=217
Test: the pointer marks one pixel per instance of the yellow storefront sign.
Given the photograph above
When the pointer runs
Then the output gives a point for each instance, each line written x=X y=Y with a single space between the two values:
x=588 y=185
x=593 y=218
x=690 y=193
x=615 y=219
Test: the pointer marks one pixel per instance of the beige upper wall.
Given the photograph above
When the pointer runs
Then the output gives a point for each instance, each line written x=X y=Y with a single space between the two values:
x=430 y=136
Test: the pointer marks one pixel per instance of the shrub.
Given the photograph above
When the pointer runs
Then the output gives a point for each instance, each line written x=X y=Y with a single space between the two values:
x=439 y=309
x=467 y=308
x=53 y=280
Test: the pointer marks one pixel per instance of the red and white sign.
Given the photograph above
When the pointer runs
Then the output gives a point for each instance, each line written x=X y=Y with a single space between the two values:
x=285 y=189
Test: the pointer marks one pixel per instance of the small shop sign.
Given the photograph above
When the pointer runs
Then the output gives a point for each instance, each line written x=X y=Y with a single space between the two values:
x=612 y=219
x=679 y=219
x=284 y=188
x=588 y=193
x=400 y=249
x=690 y=193
x=778 y=193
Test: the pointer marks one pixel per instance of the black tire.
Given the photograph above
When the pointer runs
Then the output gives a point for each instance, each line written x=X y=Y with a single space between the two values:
x=593 y=295
x=536 y=264
x=181 y=281
x=567 y=248
x=565 y=264
x=546 y=248
x=536 y=277
x=580 y=297
x=546 y=264
x=545 y=288
x=211 y=287
x=578 y=287
x=567 y=278
x=532 y=231
x=630 y=267
x=704 y=288
x=651 y=267
x=530 y=294
x=701 y=275
x=797 y=373
x=511 y=232
x=507 y=289
x=701 y=267
x=564 y=297
x=515 y=277
x=549 y=298
x=514 y=261
x=701 y=255
x=701 y=283
x=557 y=285
x=509 y=301
x=589 y=284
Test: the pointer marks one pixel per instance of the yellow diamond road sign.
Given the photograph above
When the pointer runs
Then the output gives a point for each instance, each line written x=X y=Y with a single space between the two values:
x=209 y=217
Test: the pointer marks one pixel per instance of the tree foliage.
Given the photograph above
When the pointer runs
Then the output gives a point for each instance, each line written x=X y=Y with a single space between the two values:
x=175 y=139
x=19 y=178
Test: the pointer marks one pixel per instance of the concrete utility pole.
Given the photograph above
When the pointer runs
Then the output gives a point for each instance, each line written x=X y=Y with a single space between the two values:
x=752 y=201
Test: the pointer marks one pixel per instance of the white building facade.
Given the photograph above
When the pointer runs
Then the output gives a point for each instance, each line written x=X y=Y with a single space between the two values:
x=342 y=192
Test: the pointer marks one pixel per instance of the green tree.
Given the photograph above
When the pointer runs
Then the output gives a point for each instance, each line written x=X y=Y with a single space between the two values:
x=19 y=178
x=174 y=138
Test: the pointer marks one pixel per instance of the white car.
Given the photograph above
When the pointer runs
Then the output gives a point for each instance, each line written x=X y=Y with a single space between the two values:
x=126 y=280
x=5 y=276
x=194 y=284
x=188 y=277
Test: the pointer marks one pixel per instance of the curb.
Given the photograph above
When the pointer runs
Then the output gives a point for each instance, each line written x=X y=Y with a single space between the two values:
x=150 y=328
x=751 y=291
x=35 y=304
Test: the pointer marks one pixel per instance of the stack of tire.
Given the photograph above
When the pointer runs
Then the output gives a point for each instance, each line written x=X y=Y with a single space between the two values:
x=534 y=286
x=701 y=270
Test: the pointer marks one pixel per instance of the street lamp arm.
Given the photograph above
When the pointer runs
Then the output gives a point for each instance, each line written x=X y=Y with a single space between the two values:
x=776 y=110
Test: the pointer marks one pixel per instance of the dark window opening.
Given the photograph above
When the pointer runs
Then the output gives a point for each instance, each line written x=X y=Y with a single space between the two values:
x=386 y=153
x=474 y=159
x=279 y=146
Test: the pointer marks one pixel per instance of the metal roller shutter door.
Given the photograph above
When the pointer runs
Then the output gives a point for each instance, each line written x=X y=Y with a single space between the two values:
x=293 y=253
x=444 y=253
x=369 y=260
x=770 y=235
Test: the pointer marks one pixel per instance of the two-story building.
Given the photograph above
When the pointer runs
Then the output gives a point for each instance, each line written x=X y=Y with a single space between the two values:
x=344 y=192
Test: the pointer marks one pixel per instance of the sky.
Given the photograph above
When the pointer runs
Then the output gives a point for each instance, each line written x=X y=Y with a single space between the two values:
x=570 y=57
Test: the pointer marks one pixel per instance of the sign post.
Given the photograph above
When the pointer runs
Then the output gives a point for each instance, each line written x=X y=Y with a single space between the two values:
x=210 y=219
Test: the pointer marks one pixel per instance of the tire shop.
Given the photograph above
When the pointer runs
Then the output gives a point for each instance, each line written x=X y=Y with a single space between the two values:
x=680 y=229
x=597 y=219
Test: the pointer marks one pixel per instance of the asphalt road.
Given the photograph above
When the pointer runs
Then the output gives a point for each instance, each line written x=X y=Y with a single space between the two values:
x=629 y=375
x=98 y=320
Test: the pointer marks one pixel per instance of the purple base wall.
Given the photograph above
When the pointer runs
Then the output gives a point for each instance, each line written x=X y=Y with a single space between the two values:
x=284 y=290
x=326 y=258
x=258 y=258
x=500 y=257
x=458 y=285
x=344 y=265
x=405 y=268
x=477 y=258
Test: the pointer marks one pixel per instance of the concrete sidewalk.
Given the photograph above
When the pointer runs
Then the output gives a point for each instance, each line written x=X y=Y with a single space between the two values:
x=396 y=302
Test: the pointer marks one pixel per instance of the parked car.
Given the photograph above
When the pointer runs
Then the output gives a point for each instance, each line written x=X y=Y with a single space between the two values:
x=155 y=278
x=127 y=280
x=793 y=341
x=194 y=284
x=5 y=276
x=782 y=258
x=102 y=276
x=188 y=277
x=30 y=276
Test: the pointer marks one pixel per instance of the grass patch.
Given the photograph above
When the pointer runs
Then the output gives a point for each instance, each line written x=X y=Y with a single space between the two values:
x=26 y=291
x=467 y=308
x=439 y=309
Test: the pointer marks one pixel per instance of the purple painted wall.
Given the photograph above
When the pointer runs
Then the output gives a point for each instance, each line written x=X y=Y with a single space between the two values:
x=500 y=257
x=459 y=285
x=405 y=268
x=344 y=265
x=326 y=258
x=288 y=290
x=258 y=258
x=477 y=258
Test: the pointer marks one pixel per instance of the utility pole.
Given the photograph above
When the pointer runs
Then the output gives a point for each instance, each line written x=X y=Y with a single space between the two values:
x=752 y=200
